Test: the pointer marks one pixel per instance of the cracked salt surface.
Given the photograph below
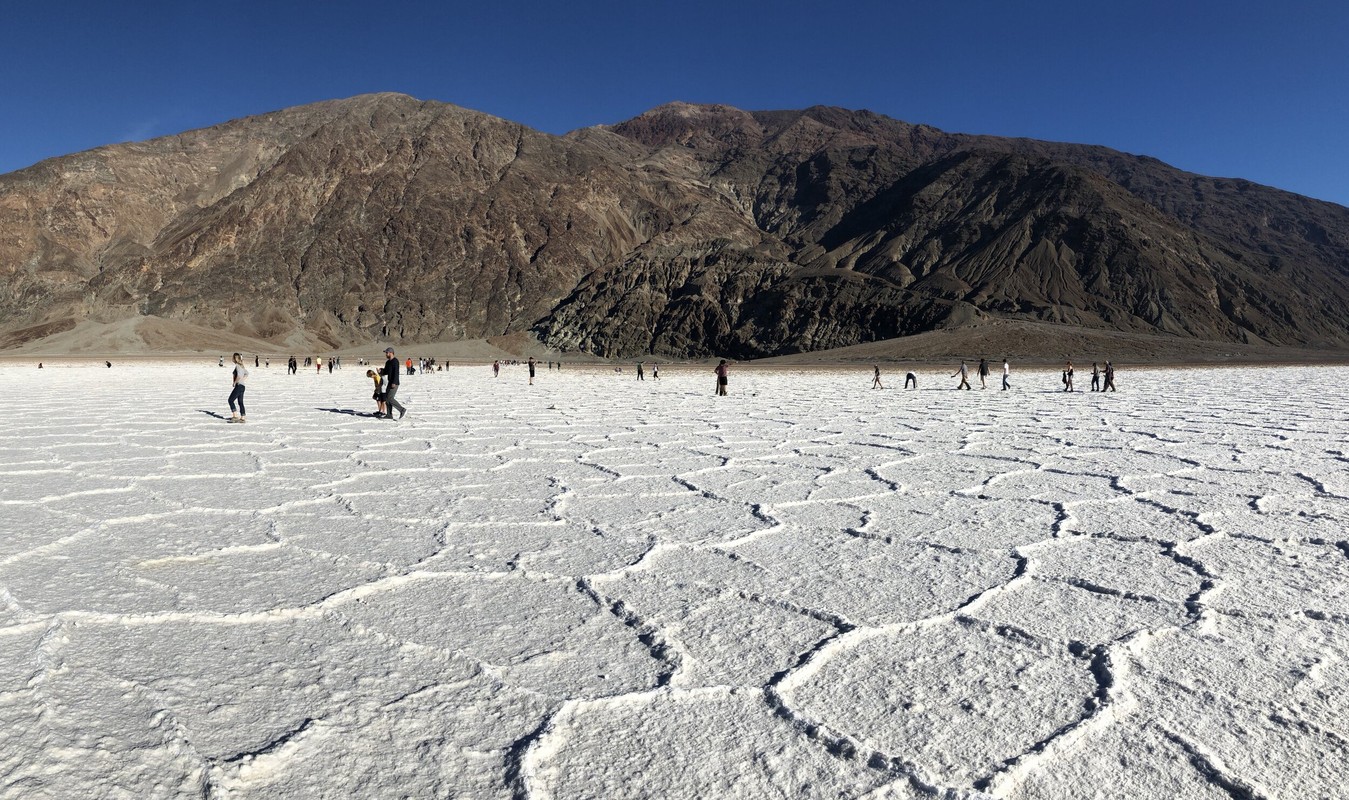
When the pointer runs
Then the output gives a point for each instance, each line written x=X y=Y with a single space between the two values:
x=595 y=587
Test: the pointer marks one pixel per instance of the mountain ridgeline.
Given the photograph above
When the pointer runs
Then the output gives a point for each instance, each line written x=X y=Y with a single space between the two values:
x=688 y=231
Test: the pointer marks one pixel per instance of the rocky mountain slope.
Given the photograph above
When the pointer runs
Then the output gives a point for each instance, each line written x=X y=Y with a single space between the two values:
x=688 y=231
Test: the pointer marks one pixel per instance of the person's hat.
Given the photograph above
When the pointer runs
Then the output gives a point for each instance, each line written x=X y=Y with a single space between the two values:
x=388 y=349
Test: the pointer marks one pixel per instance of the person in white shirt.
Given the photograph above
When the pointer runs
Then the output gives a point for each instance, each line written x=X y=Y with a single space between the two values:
x=1006 y=370
x=240 y=377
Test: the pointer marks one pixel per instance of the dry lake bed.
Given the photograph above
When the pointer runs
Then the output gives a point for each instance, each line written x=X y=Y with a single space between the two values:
x=595 y=587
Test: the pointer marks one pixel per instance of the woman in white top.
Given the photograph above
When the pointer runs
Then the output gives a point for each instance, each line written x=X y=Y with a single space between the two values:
x=240 y=376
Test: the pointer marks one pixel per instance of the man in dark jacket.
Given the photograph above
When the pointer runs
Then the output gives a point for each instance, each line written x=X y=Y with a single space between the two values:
x=390 y=372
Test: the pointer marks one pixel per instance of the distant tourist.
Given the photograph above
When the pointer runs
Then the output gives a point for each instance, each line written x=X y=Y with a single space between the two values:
x=641 y=373
x=723 y=371
x=109 y=363
x=1068 y=377
x=964 y=374
x=876 y=377
x=222 y=362
x=391 y=368
x=496 y=369
x=655 y=372
x=255 y=361
x=983 y=373
x=1006 y=372
x=1109 y=377
x=292 y=366
x=330 y=366
x=239 y=377
x=39 y=365
x=1095 y=378
x=378 y=396
x=532 y=364
x=910 y=378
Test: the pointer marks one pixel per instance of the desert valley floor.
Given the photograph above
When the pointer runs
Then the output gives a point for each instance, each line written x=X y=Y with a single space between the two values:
x=596 y=587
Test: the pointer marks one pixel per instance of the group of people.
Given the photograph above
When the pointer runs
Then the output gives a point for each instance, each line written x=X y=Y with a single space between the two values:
x=984 y=372
x=387 y=379
x=385 y=396
x=386 y=386
x=1101 y=379
x=910 y=379
x=1097 y=374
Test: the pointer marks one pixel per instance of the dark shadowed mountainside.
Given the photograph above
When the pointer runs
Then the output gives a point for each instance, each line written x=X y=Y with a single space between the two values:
x=686 y=232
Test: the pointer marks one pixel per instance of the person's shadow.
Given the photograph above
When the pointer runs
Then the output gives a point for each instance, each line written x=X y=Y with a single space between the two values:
x=350 y=412
x=212 y=414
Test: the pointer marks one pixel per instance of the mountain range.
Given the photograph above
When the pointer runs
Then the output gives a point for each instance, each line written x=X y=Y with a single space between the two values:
x=686 y=232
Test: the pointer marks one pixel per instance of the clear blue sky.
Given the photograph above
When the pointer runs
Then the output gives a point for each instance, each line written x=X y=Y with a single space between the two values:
x=1258 y=90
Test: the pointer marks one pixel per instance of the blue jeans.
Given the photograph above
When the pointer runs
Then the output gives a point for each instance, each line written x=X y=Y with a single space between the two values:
x=238 y=394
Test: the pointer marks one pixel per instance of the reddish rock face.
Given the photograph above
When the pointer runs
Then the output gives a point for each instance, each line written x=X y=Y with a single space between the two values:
x=688 y=231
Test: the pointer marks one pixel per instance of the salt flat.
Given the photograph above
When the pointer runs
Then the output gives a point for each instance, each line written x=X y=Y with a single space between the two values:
x=599 y=587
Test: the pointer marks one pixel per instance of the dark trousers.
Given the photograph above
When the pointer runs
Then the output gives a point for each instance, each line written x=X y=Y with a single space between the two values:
x=1005 y=384
x=238 y=394
x=390 y=404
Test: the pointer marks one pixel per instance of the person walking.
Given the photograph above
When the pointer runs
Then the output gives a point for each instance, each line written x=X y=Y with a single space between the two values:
x=876 y=377
x=983 y=373
x=532 y=364
x=378 y=396
x=391 y=370
x=1095 y=378
x=723 y=371
x=293 y=366
x=1068 y=377
x=655 y=372
x=1109 y=377
x=1006 y=371
x=496 y=369
x=910 y=378
x=964 y=374
x=255 y=361
x=641 y=373
x=239 y=377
